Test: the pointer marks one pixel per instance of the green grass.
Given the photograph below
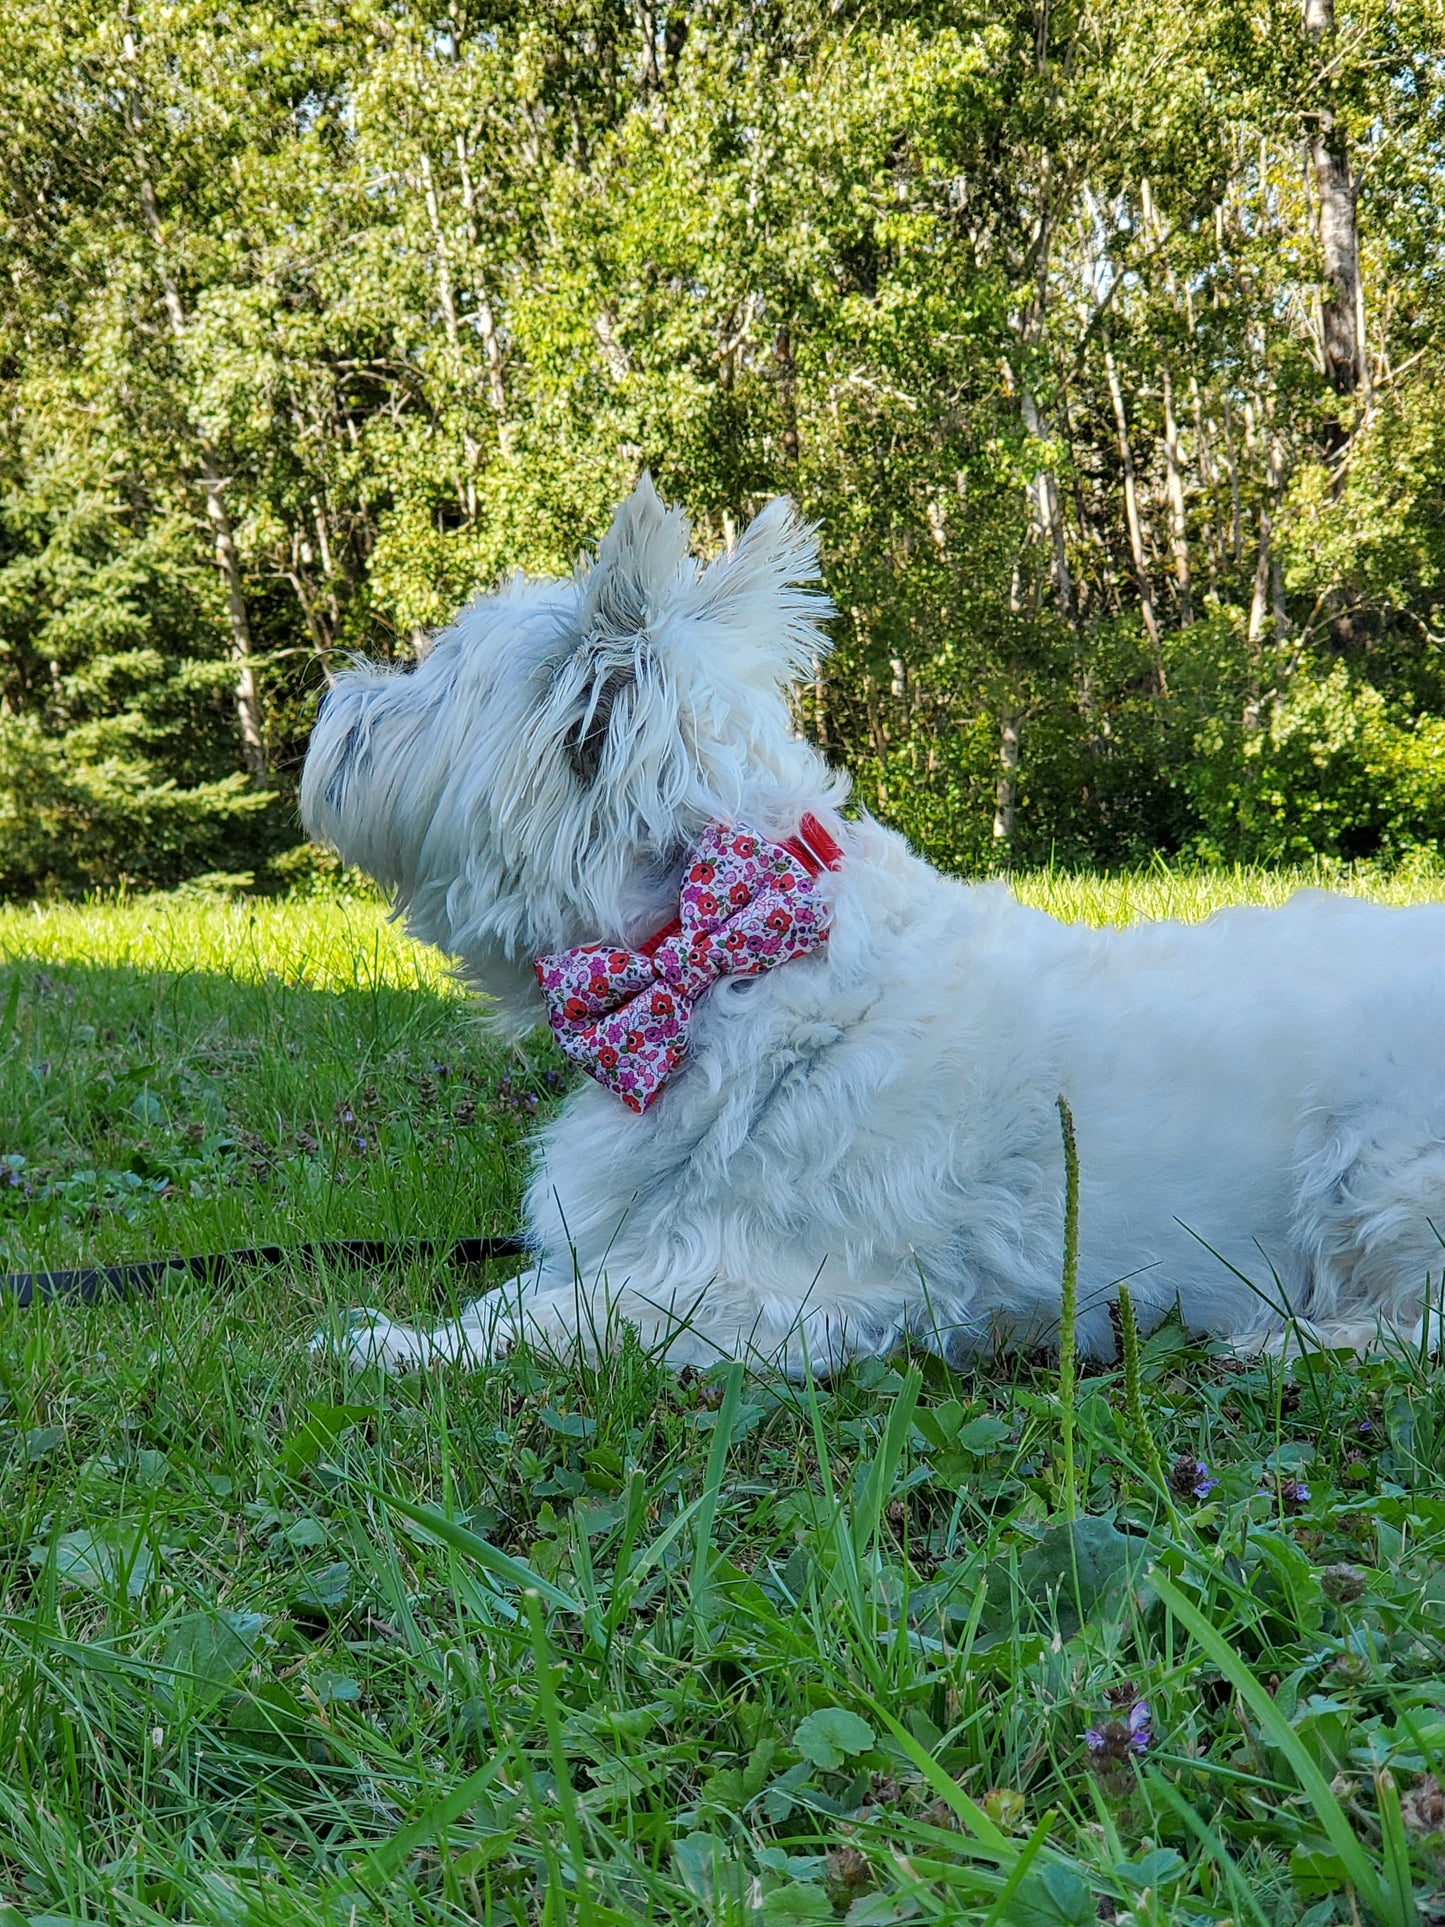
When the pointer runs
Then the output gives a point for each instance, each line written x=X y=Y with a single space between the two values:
x=283 y=1642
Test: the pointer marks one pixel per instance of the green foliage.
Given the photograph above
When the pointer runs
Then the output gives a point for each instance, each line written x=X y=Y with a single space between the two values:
x=1025 y=308
x=1332 y=771
x=284 y=1640
x=73 y=817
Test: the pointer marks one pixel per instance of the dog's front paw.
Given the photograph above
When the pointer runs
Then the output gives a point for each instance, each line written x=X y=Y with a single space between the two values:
x=364 y=1337
x=369 y=1338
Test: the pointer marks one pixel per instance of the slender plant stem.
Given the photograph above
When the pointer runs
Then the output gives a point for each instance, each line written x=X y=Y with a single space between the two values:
x=1134 y=1392
x=1069 y=1310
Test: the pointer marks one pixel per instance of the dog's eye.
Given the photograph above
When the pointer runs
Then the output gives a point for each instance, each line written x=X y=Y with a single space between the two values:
x=337 y=785
x=584 y=749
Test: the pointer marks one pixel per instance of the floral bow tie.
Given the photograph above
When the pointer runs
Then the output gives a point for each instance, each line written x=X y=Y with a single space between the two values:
x=746 y=905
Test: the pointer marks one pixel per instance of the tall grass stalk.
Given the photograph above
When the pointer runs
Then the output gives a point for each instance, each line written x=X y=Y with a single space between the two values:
x=1144 y=1442
x=1069 y=1312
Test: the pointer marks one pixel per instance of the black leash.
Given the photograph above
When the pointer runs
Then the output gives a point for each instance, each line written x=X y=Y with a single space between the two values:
x=90 y=1287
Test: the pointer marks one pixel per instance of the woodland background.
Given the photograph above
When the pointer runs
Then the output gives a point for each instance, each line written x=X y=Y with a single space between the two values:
x=1104 y=342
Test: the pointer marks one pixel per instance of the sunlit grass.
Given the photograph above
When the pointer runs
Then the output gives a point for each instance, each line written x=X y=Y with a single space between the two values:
x=1189 y=895
x=344 y=942
x=283 y=1642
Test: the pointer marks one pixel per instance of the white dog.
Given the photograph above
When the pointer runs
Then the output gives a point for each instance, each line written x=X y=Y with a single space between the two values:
x=856 y=1139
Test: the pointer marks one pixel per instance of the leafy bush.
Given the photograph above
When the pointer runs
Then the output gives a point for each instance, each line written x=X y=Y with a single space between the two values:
x=1332 y=770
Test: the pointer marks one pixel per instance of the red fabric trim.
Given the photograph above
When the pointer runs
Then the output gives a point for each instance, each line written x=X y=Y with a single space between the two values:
x=814 y=848
x=659 y=937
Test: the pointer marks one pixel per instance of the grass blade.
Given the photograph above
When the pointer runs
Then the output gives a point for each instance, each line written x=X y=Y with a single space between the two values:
x=387 y=1859
x=717 y=1459
x=1382 y=1901
x=502 y=1565
x=884 y=1469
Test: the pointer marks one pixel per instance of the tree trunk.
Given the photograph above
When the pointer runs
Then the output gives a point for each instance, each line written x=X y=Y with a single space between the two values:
x=1342 y=305
x=444 y=261
x=213 y=482
x=1043 y=490
x=1236 y=521
x=486 y=322
x=1259 y=599
x=1268 y=592
x=1131 y=516
x=1006 y=791
x=1048 y=512
x=1178 y=525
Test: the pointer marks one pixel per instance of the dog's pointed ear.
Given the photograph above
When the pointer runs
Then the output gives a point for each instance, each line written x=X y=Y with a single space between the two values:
x=755 y=597
x=643 y=565
x=678 y=675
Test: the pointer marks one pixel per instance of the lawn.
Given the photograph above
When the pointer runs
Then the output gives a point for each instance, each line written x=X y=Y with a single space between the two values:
x=284 y=1642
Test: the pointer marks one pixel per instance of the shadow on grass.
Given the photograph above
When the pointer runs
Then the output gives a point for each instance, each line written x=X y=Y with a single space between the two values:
x=145 y=1113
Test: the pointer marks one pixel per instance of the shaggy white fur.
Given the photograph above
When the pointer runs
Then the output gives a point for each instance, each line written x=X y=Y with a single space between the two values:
x=864 y=1143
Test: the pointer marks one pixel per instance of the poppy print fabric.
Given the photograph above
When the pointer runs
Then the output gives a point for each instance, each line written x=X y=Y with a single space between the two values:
x=746 y=904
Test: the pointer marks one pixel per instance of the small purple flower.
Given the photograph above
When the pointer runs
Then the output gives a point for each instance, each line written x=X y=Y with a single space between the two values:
x=1189 y=1478
x=1116 y=1740
x=1141 y=1733
x=1293 y=1494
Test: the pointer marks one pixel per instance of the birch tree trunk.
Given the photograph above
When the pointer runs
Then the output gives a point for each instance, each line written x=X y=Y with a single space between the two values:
x=445 y=294
x=1048 y=511
x=1342 y=307
x=1131 y=513
x=249 y=717
x=1267 y=597
x=486 y=321
x=1006 y=790
x=1236 y=522
x=1043 y=489
x=1178 y=525
x=1259 y=599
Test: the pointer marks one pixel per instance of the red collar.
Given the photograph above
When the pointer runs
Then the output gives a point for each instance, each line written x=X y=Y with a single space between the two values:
x=814 y=848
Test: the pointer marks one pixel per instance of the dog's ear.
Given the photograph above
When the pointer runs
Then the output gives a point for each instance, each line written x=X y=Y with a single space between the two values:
x=643 y=565
x=753 y=599
x=674 y=686
x=751 y=616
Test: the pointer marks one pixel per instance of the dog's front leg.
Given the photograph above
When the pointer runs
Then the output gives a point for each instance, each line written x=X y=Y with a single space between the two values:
x=565 y=1318
x=488 y=1328
x=553 y=1312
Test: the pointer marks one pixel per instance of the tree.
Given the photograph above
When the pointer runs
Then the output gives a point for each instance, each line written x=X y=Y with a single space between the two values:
x=1119 y=420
